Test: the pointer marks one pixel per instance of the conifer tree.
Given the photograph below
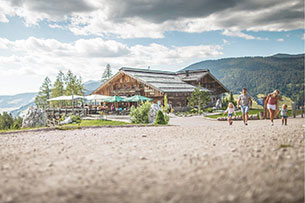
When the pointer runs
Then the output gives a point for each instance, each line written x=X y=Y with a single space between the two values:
x=41 y=99
x=107 y=73
x=58 y=88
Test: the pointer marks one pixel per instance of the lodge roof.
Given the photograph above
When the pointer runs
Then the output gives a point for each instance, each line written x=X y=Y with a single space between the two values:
x=165 y=81
x=141 y=70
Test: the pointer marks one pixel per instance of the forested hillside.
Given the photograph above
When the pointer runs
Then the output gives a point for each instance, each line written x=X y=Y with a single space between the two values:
x=260 y=74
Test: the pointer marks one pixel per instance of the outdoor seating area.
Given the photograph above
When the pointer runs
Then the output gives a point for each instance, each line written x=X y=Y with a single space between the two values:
x=93 y=104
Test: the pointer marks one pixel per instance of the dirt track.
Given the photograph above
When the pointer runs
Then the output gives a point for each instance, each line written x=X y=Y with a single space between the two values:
x=196 y=160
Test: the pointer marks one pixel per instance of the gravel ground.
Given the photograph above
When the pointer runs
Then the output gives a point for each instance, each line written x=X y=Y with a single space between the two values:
x=194 y=160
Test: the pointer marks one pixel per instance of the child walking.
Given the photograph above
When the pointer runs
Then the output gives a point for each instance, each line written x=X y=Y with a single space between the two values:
x=284 y=114
x=230 y=110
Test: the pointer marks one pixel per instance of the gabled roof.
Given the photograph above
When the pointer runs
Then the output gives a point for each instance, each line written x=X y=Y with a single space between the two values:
x=164 y=81
x=196 y=75
x=147 y=71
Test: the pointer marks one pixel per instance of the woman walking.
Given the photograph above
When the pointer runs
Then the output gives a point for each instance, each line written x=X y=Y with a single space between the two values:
x=272 y=104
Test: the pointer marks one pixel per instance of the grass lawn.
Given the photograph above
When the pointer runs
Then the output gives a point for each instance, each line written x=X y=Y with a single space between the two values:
x=251 y=112
x=97 y=123
x=77 y=125
x=20 y=129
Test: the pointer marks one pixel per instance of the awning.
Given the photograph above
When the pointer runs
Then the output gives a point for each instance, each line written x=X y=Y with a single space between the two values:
x=63 y=98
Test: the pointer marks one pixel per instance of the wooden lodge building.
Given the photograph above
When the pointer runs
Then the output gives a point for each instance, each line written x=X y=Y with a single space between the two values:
x=154 y=84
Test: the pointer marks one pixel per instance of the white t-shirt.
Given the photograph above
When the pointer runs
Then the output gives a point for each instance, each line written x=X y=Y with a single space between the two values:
x=230 y=110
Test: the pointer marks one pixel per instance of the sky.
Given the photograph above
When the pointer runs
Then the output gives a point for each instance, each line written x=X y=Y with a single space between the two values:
x=41 y=38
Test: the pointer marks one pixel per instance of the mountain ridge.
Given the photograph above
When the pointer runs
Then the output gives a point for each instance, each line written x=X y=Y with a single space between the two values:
x=258 y=74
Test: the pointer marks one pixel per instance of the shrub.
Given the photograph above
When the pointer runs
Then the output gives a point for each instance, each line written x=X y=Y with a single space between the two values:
x=8 y=122
x=166 y=118
x=17 y=123
x=75 y=119
x=63 y=117
x=210 y=110
x=140 y=114
x=195 y=111
x=160 y=119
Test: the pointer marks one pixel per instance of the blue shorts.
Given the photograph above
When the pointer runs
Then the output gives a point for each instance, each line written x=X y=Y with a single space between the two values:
x=285 y=117
x=230 y=114
x=244 y=109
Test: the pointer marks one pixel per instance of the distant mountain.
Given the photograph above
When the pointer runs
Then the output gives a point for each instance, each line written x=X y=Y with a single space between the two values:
x=259 y=74
x=16 y=104
x=288 y=56
x=12 y=102
x=21 y=110
x=92 y=85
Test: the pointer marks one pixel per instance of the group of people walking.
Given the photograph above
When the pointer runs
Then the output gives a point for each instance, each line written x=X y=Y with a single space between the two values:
x=244 y=102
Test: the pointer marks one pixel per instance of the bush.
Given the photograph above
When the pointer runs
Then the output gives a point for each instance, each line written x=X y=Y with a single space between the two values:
x=8 y=122
x=62 y=118
x=17 y=123
x=160 y=119
x=75 y=119
x=210 y=110
x=166 y=118
x=140 y=114
x=195 y=111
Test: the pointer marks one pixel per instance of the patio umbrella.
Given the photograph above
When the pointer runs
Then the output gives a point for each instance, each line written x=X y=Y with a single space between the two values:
x=115 y=99
x=97 y=97
x=138 y=98
x=63 y=98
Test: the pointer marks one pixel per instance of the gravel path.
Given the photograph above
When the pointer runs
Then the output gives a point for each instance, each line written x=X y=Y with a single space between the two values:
x=196 y=160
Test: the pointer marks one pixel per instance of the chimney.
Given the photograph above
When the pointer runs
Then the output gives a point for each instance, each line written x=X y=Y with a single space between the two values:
x=187 y=73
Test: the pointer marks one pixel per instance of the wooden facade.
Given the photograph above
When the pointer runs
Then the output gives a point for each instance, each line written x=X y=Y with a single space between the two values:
x=124 y=85
x=154 y=84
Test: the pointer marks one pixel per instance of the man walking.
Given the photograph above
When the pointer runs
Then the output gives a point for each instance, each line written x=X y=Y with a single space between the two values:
x=246 y=103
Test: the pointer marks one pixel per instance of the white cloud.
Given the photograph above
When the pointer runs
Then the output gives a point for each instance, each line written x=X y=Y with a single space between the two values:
x=88 y=57
x=56 y=26
x=237 y=33
x=133 y=18
x=280 y=40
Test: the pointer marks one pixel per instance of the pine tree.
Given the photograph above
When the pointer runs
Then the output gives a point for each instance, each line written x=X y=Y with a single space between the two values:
x=41 y=99
x=58 y=88
x=199 y=99
x=74 y=85
x=107 y=73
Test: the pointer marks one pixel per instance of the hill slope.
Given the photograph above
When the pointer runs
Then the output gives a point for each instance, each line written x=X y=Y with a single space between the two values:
x=259 y=74
x=16 y=104
x=12 y=102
